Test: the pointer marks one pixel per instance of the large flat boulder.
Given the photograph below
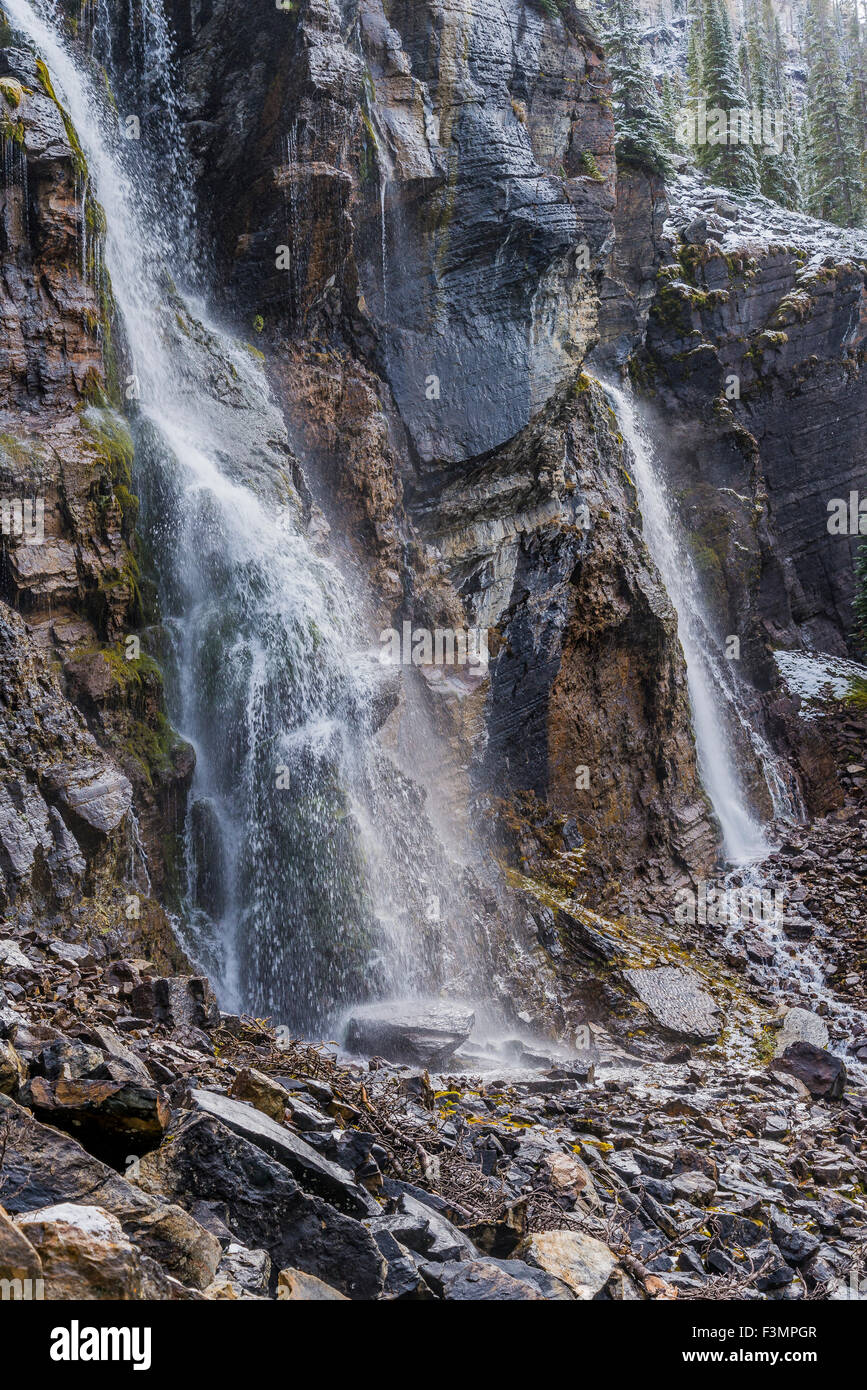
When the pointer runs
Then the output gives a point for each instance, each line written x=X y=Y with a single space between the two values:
x=581 y=1261
x=800 y=1025
x=312 y=1170
x=421 y=1032
x=676 y=999
x=265 y=1208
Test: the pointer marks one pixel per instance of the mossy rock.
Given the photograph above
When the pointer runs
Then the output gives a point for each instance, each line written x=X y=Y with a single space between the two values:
x=12 y=92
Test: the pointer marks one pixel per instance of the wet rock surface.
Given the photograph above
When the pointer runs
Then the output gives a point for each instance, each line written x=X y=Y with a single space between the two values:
x=677 y=1001
x=426 y=1034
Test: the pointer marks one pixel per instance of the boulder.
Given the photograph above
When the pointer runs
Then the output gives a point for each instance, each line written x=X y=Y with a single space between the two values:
x=580 y=1261
x=262 y=1092
x=676 y=999
x=495 y=1281
x=180 y=1244
x=421 y=1228
x=12 y=957
x=314 y=1172
x=821 y=1072
x=96 y=792
x=263 y=1205
x=123 y=1112
x=420 y=1032
x=800 y=1025
x=115 y=1053
x=295 y=1286
x=176 y=1001
x=66 y=1058
x=697 y=1188
x=84 y=1253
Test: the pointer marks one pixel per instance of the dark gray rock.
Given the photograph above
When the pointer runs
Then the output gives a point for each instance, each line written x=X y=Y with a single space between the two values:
x=676 y=999
x=495 y=1281
x=424 y=1032
x=177 y=1001
x=311 y=1169
x=264 y=1206
x=821 y=1072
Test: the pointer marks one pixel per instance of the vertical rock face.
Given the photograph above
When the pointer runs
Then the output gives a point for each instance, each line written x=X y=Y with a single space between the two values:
x=438 y=183
x=67 y=524
x=777 y=313
x=442 y=179
x=629 y=283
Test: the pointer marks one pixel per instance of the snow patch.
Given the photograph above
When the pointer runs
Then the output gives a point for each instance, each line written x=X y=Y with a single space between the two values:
x=817 y=679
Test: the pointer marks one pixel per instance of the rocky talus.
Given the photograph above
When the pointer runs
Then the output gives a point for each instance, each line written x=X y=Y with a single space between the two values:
x=153 y=1147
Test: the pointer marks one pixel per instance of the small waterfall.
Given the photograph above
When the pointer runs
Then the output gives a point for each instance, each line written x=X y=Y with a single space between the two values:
x=299 y=828
x=717 y=703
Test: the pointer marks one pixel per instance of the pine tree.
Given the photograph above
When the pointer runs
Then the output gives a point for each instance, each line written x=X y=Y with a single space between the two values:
x=835 y=191
x=769 y=96
x=856 y=39
x=860 y=604
x=731 y=164
x=641 y=135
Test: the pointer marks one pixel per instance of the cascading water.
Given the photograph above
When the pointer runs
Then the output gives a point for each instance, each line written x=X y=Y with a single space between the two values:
x=266 y=675
x=716 y=702
x=795 y=970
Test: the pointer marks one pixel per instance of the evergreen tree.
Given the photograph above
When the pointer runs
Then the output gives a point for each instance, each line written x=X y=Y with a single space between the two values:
x=731 y=164
x=856 y=39
x=641 y=135
x=672 y=104
x=769 y=96
x=860 y=605
x=833 y=159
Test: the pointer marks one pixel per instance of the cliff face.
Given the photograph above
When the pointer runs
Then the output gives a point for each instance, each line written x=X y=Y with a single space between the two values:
x=756 y=351
x=69 y=579
x=443 y=183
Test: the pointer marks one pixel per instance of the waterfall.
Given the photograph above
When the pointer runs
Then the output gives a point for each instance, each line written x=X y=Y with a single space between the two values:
x=716 y=700
x=304 y=886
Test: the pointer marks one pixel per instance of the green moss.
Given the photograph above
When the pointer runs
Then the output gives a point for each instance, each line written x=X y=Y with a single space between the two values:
x=118 y=587
x=109 y=433
x=856 y=695
x=151 y=744
x=765 y=1046
x=10 y=129
x=11 y=92
x=78 y=159
x=590 y=167
x=20 y=453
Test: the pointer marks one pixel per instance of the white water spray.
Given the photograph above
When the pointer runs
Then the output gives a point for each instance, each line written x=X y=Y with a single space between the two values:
x=268 y=684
